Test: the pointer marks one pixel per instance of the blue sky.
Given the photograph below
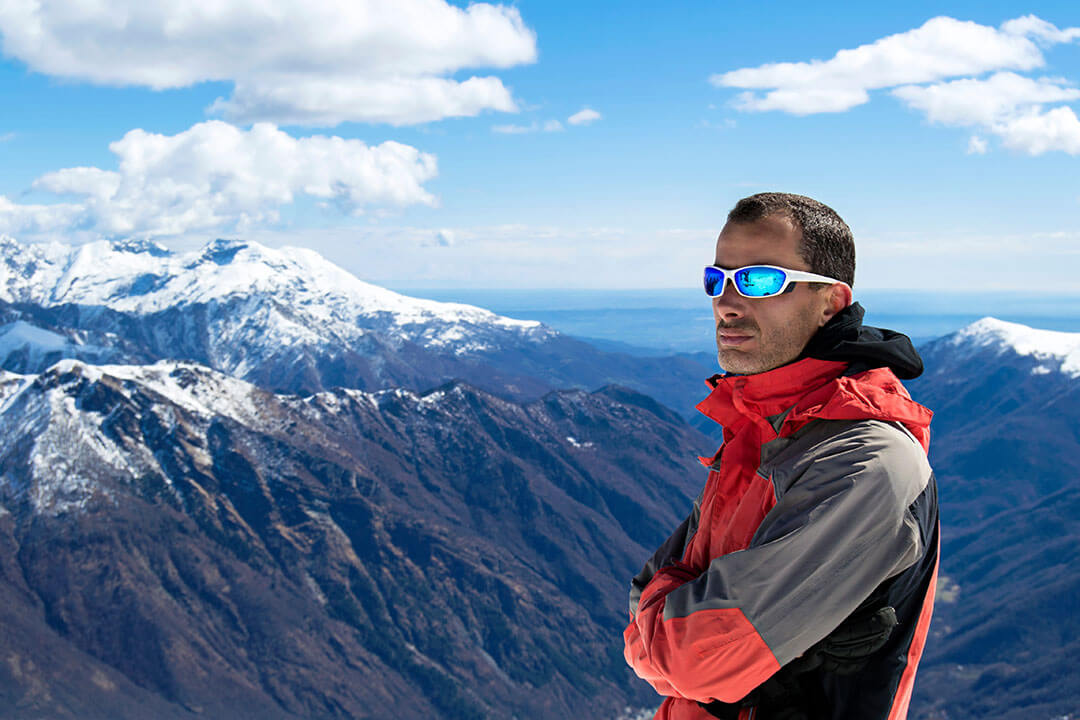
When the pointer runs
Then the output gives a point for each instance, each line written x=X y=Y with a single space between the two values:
x=425 y=144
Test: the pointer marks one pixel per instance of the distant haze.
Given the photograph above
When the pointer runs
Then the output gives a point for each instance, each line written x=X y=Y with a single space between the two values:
x=679 y=320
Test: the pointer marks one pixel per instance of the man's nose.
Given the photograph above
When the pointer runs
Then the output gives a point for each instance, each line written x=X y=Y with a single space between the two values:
x=729 y=303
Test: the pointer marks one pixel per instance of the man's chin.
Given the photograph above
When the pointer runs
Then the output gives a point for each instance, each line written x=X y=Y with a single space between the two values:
x=736 y=361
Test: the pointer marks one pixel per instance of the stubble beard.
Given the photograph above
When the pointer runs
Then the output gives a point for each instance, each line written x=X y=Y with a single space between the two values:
x=772 y=349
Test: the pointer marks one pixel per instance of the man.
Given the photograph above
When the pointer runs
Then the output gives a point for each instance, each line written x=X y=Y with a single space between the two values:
x=800 y=586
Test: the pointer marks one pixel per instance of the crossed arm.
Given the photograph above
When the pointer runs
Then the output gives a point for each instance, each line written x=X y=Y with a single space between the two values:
x=841 y=527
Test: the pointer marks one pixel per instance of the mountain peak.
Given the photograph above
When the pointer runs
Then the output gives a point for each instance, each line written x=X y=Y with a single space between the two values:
x=137 y=245
x=222 y=250
x=1050 y=347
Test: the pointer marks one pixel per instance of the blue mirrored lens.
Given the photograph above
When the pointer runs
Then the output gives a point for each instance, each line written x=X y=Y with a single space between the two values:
x=714 y=281
x=759 y=281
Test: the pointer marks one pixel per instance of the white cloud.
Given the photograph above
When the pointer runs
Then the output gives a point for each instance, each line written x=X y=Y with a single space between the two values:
x=585 y=116
x=37 y=219
x=942 y=47
x=1039 y=132
x=1038 y=28
x=315 y=62
x=917 y=63
x=553 y=126
x=329 y=101
x=1007 y=105
x=5 y=137
x=215 y=176
x=969 y=101
x=444 y=238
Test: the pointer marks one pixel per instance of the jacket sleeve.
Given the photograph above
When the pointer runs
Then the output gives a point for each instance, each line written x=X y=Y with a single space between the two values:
x=672 y=549
x=841 y=526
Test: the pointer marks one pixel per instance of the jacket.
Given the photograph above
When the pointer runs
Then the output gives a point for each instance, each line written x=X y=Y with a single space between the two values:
x=819 y=507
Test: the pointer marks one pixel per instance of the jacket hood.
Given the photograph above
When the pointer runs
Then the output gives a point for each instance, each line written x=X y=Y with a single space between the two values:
x=846 y=339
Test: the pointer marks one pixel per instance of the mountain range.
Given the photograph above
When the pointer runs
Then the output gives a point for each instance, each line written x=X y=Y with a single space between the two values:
x=237 y=553
x=240 y=482
x=289 y=321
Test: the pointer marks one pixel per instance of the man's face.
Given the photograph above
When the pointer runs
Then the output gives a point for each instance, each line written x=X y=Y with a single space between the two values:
x=758 y=334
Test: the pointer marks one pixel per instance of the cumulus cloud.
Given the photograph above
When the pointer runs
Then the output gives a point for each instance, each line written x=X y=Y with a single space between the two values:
x=970 y=101
x=215 y=176
x=1038 y=132
x=314 y=62
x=1039 y=29
x=917 y=65
x=584 y=116
x=1007 y=105
x=942 y=47
x=21 y=220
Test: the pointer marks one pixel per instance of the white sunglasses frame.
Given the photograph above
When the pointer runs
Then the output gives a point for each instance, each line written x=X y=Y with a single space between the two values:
x=790 y=276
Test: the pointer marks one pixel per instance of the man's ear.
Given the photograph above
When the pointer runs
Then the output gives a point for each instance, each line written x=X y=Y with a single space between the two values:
x=838 y=297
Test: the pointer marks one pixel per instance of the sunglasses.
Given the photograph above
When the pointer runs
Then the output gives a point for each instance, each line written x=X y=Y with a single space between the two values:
x=758 y=281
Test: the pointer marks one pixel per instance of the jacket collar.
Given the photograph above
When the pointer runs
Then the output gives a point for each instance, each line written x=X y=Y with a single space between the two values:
x=807 y=389
x=739 y=398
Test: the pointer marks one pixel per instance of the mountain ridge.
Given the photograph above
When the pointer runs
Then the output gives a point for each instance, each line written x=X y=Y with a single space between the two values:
x=291 y=322
x=470 y=552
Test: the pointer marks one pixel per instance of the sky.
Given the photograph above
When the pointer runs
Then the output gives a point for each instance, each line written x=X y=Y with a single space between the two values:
x=427 y=144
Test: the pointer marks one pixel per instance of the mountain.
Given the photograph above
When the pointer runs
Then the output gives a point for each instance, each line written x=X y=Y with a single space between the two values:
x=1006 y=449
x=177 y=542
x=289 y=321
x=1005 y=398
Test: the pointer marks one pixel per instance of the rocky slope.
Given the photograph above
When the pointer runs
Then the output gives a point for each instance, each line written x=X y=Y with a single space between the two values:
x=183 y=543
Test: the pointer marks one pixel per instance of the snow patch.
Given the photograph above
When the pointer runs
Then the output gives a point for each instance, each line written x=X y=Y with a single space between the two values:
x=314 y=589
x=630 y=713
x=72 y=459
x=11 y=384
x=69 y=458
x=432 y=398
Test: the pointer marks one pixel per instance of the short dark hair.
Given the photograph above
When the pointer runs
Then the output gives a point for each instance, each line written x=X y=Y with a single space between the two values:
x=827 y=246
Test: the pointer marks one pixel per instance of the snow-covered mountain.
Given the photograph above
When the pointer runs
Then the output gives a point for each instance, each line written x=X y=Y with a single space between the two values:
x=1005 y=398
x=179 y=542
x=288 y=320
x=1006 y=450
x=1050 y=351
x=316 y=299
